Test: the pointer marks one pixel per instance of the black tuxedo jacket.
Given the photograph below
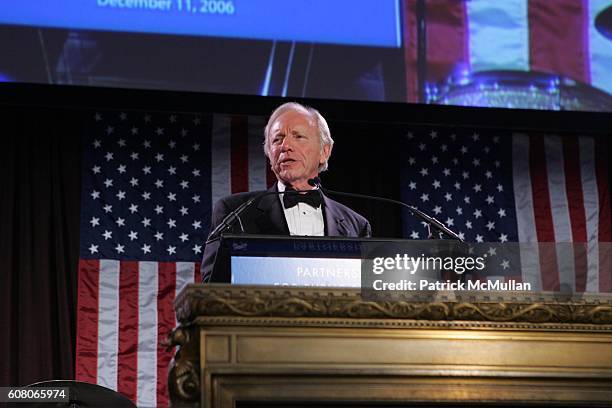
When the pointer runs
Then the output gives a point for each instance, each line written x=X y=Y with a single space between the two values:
x=267 y=217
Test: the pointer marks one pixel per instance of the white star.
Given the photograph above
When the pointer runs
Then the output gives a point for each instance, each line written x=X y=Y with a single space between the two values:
x=172 y=144
x=501 y=212
x=96 y=144
x=108 y=208
x=436 y=184
x=134 y=130
x=437 y=209
x=172 y=170
x=476 y=162
x=133 y=235
x=121 y=195
x=159 y=131
x=434 y=160
x=464 y=150
x=120 y=222
x=444 y=147
x=110 y=130
x=196 y=173
x=479 y=238
x=448 y=196
x=497 y=163
x=96 y=169
x=159 y=209
x=488 y=174
x=196 y=147
x=468 y=224
x=159 y=236
x=121 y=142
x=466 y=199
x=414 y=235
x=433 y=134
x=412 y=185
x=450 y=222
x=94 y=221
x=492 y=251
x=411 y=160
x=159 y=157
x=171 y=250
x=455 y=161
x=490 y=225
x=424 y=197
x=184 y=184
x=477 y=214
x=184 y=237
x=172 y=118
x=477 y=188
x=134 y=181
x=465 y=175
x=133 y=208
x=147 y=144
x=184 y=158
x=453 y=136
x=486 y=149
x=95 y=194
x=424 y=172
x=475 y=137
x=457 y=186
x=500 y=188
x=171 y=223
x=134 y=156
x=503 y=238
x=461 y=235
x=490 y=199
x=108 y=156
x=146 y=222
x=146 y=169
x=196 y=198
x=147 y=118
x=422 y=146
x=98 y=117
x=184 y=132
x=172 y=196
x=495 y=139
x=197 y=224
x=146 y=195
x=119 y=249
x=123 y=116
x=505 y=264
x=146 y=248
x=93 y=249
x=121 y=169
x=459 y=210
x=446 y=172
x=184 y=211
x=159 y=183
x=107 y=235
x=197 y=249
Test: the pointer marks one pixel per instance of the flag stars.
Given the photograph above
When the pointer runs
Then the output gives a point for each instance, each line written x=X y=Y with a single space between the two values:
x=134 y=156
x=146 y=249
x=134 y=130
x=444 y=147
x=121 y=142
x=172 y=170
x=95 y=195
x=133 y=208
x=172 y=144
x=196 y=121
x=468 y=224
x=107 y=235
x=488 y=174
x=476 y=162
x=414 y=235
x=110 y=130
x=475 y=137
x=97 y=144
x=477 y=214
x=120 y=248
x=108 y=183
x=457 y=186
x=424 y=172
x=446 y=172
x=503 y=238
x=411 y=161
x=496 y=163
x=172 y=118
x=196 y=147
x=146 y=222
x=505 y=264
x=490 y=199
x=436 y=184
x=108 y=156
x=121 y=195
x=465 y=175
x=422 y=146
x=466 y=199
x=159 y=183
x=479 y=238
x=500 y=188
x=412 y=185
x=184 y=237
x=501 y=213
x=159 y=157
x=490 y=225
x=147 y=118
x=122 y=116
x=433 y=134
x=486 y=149
x=463 y=150
x=172 y=196
x=159 y=131
x=434 y=159
x=197 y=249
x=159 y=236
x=184 y=158
x=97 y=117
x=450 y=222
x=197 y=225
x=94 y=221
x=171 y=223
x=133 y=235
x=196 y=198
x=184 y=132
x=437 y=209
x=93 y=249
x=477 y=188
x=108 y=208
x=120 y=222
x=146 y=169
x=495 y=139
x=424 y=197
x=134 y=181
x=196 y=173
x=171 y=250
x=121 y=168
x=146 y=144
x=159 y=209
x=461 y=235
x=459 y=210
x=455 y=161
x=96 y=169
x=146 y=196
x=184 y=211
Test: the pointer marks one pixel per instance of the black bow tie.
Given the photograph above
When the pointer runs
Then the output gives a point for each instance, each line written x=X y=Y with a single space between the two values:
x=312 y=198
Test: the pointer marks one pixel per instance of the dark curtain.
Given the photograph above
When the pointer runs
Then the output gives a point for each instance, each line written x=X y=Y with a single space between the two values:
x=39 y=234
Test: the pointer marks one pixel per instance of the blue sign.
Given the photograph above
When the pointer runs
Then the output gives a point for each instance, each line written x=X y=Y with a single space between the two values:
x=352 y=22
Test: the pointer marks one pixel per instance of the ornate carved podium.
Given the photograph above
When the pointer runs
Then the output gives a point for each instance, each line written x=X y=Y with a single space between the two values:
x=260 y=346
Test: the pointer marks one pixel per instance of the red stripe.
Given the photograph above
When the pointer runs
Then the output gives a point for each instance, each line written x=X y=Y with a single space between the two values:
x=165 y=323
x=127 y=359
x=87 y=321
x=558 y=38
x=197 y=273
x=447 y=39
x=602 y=149
x=239 y=154
x=543 y=213
x=575 y=201
x=410 y=51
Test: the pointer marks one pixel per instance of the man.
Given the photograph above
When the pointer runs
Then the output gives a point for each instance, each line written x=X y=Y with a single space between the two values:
x=298 y=145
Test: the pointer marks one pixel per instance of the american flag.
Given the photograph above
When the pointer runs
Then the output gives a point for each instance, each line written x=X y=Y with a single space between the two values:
x=502 y=188
x=148 y=185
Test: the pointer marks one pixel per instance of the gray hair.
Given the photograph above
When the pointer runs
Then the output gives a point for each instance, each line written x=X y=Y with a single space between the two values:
x=322 y=127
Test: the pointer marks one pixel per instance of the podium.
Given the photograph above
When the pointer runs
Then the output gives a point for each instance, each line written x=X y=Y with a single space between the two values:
x=261 y=346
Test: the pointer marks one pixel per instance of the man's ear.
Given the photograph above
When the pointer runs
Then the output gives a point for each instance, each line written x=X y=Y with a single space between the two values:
x=325 y=153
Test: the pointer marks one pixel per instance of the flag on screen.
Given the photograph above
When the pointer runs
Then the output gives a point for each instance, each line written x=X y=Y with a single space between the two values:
x=516 y=188
x=148 y=185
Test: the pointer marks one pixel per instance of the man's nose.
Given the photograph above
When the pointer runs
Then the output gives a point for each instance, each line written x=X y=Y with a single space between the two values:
x=287 y=144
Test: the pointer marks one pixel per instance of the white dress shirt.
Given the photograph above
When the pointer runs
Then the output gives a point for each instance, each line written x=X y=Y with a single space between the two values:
x=303 y=219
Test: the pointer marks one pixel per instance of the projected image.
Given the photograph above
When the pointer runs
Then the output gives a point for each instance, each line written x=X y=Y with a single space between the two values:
x=513 y=54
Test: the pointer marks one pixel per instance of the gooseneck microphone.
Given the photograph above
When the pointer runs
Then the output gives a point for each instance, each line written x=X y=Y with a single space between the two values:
x=431 y=222
x=230 y=218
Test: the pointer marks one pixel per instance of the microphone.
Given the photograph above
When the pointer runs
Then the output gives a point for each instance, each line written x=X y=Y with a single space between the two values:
x=235 y=215
x=431 y=221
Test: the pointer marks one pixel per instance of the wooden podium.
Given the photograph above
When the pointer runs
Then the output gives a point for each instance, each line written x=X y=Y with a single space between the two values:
x=271 y=346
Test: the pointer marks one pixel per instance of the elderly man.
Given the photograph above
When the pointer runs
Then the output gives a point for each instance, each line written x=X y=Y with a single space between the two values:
x=298 y=145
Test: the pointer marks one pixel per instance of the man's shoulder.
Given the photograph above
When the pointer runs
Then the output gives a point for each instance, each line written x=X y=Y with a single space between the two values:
x=347 y=211
x=234 y=200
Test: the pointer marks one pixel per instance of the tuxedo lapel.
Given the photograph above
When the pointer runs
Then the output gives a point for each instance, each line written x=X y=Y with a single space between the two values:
x=271 y=219
x=334 y=220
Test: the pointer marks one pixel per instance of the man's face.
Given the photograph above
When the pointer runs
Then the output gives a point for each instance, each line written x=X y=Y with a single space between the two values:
x=295 y=148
